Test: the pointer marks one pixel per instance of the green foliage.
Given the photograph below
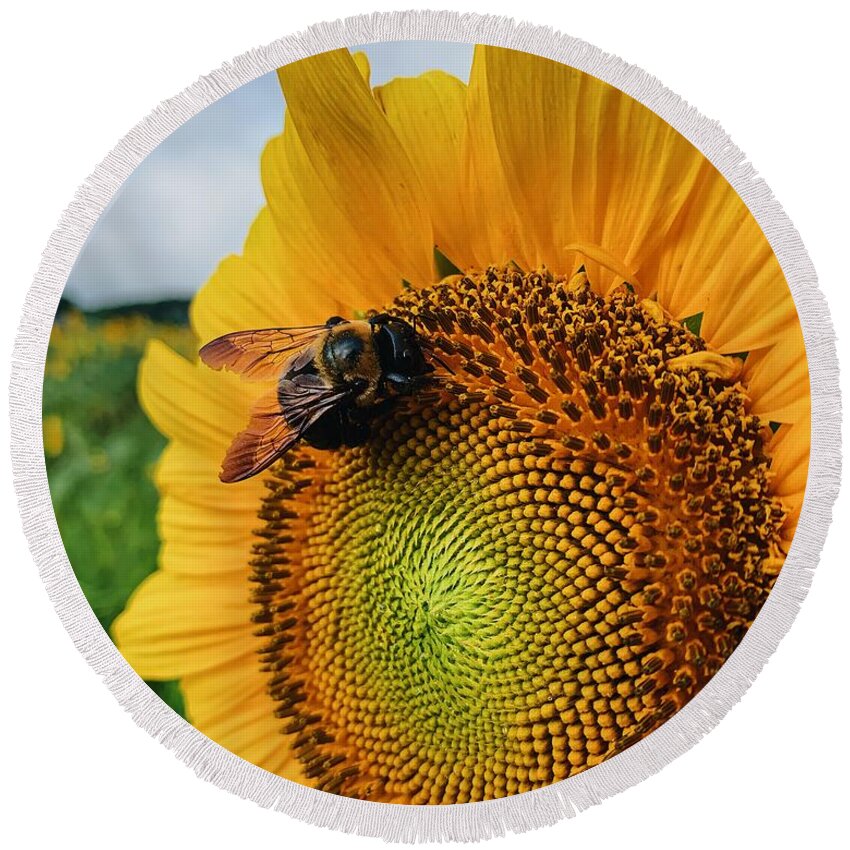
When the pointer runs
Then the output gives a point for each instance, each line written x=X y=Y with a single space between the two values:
x=101 y=450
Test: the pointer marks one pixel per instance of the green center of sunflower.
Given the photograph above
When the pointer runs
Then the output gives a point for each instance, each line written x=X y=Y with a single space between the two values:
x=527 y=569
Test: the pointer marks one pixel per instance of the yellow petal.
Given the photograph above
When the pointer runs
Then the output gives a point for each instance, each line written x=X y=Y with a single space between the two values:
x=560 y=159
x=716 y=365
x=284 y=277
x=269 y=285
x=236 y=297
x=789 y=450
x=718 y=262
x=339 y=177
x=493 y=229
x=231 y=706
x=192 y=403
x=205 y=526
x=790 y=453
x=361 y=60
x=177 y=625
x=428 y=114
x=777 y=379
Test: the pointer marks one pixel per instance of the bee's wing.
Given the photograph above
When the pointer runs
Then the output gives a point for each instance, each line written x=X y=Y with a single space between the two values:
x=258 y=355
x=270 y=432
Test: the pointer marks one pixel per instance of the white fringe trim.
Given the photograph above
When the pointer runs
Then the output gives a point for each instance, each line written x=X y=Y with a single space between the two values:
x=470 y=821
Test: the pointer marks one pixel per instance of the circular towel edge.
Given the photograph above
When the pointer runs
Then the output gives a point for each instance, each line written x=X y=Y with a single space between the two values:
x=460 y=822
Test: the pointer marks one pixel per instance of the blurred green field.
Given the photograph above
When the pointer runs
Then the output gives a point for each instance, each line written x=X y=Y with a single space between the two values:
x=100 y=450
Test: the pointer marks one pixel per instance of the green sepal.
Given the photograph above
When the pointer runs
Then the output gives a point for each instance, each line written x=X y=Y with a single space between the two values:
x=445 y=267
x=693 y=323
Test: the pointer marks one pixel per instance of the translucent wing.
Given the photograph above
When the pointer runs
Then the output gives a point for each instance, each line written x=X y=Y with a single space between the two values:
x=278 y=420
x=258 y=355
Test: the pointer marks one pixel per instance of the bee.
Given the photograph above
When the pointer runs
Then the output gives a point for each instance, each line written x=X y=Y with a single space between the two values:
x=332 y=380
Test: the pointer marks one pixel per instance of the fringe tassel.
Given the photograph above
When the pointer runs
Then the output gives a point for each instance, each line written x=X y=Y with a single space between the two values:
x=471 y=821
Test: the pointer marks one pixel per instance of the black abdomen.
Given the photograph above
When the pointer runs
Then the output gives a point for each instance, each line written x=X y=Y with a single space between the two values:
x=341 y=426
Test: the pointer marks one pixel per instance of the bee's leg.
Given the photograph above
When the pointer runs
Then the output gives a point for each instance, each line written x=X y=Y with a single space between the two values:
x=403 y=384
x=381 y=391
x=383 y=406
x=354 y=428
x=326 y=432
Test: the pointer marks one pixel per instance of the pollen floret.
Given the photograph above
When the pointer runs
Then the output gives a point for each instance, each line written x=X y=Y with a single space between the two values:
x=528 y=568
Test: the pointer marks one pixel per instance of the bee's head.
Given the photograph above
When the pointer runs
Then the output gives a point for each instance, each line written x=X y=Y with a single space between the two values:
x=399 y=350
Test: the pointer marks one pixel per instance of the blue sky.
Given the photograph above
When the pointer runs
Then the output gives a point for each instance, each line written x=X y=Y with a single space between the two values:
x=189 y=204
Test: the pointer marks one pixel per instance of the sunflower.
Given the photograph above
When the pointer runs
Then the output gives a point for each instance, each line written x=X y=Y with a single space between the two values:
x=532 y=566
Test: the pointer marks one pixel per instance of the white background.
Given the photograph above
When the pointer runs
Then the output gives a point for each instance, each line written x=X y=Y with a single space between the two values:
x=77 y=77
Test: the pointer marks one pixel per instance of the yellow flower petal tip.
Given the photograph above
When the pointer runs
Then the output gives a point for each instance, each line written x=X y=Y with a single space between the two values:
x=653 y=308
x=717 y=365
